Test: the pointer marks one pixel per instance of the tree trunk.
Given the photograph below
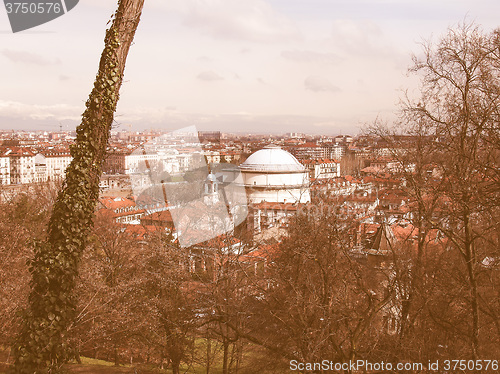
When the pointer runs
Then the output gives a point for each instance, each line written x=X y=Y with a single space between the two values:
x=77 y=356
x=239 y=356
x=416 y=279
x=116 y=358
x=175 y=366
x=470 y=260
x=225 y=359
x=209 y=354
x=41 y=344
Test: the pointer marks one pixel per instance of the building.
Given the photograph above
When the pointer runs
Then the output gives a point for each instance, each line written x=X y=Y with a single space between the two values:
x=307 y=151
x=159 y=160
x=274 y=175
x=161 y=218
x=115 y=161
x=209 y=136
x=114 y=181
x=334 y=151
x=40 y=174
x=272 y=218
x=22 y=165
x=343 y=139
x=51 y=164
x=323 y=168
x=4 y=169
x=213 y=157
x=123 y=210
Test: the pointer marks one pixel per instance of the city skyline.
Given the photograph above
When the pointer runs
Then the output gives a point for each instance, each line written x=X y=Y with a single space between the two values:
x=250 y=66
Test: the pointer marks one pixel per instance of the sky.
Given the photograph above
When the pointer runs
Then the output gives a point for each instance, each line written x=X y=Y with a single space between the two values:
x=245 y=66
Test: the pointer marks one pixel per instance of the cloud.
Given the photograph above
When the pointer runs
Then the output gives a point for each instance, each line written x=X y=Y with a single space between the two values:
x=247 y=122
x=27 y=58
x=209 y=76
x=204 y=59
x=36 y=112
x=311 y=56
x=319 y=84
x=251 y=20
x=361 y=38
x=16 y=115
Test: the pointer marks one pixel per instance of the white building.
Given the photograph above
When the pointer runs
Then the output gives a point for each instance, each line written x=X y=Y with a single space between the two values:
x=170 y=161
x=4 y=169
x=334 y=151
x=274 y=175
x=323 y=168
x=22 y=165
x=51 y=164
x=213 y=157
x=40 y=174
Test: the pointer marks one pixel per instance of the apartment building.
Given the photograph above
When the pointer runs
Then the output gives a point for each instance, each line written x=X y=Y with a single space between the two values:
x=4 y=168
x=51 y=164
x=22 y=165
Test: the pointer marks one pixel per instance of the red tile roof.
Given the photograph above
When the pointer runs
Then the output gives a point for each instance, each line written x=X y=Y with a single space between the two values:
x=116 y=202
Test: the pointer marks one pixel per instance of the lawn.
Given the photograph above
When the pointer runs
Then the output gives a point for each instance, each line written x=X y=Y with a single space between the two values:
x=253 y=362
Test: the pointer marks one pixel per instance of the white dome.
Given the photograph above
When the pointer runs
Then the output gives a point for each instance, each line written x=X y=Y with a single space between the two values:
x=272 y=158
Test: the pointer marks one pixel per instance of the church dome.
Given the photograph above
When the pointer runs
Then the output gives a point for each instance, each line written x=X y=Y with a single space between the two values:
x=272 y=159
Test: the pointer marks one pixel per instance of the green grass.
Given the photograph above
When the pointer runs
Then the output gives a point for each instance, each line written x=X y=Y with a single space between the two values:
x=252 y=356
x=95 y=361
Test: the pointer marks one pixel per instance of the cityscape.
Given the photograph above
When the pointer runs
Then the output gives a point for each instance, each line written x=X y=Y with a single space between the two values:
x=250 y=187
x=247 y=193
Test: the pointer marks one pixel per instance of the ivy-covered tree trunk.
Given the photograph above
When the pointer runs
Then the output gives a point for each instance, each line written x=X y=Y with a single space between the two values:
x=41 y=345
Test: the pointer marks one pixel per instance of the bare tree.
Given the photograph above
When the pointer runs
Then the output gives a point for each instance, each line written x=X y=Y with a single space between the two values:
x=222 y=277
x=319 y=299
x=447 y=147
x=459 y=108
x=22 y=219
x=163 y=305
x=107 y=276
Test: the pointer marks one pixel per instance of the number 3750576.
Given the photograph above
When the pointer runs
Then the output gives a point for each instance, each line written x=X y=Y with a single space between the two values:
x=470 y=365
x=33 y=8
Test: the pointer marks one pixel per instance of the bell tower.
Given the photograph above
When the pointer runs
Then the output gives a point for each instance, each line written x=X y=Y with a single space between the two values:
x=211 y=190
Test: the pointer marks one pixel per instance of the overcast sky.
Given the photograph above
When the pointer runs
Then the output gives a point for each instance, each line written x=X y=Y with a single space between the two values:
x=315 y=66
